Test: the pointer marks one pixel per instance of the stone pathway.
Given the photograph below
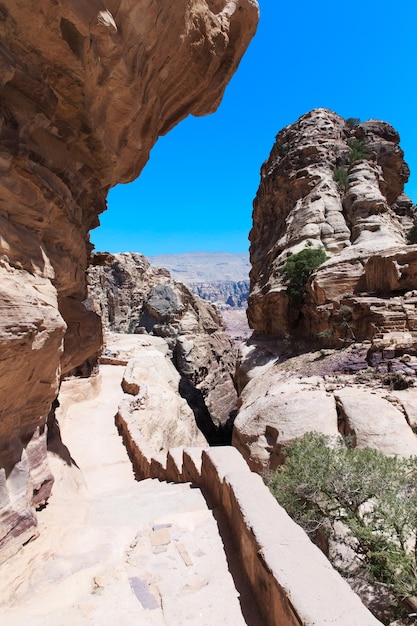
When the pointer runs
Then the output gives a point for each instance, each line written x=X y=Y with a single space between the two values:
x=115 y=551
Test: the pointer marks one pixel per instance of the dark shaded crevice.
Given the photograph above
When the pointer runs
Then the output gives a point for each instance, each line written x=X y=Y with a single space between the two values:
x=215 y=435
x=54 y=442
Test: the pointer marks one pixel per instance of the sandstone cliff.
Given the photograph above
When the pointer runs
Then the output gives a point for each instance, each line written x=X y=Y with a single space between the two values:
x=86 y=89
x=360 y=221
x=131 y=296
x=336 y=184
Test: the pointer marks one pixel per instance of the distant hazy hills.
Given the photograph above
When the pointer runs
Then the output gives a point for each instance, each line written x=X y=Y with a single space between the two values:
x=219 y=277
x=205 y=267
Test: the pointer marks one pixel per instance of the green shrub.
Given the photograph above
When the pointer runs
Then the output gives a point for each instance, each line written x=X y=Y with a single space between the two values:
x=324 y=334
x=372 y=494
x=299 y=267
x=340 y=175
x=358 y=150
x=352 y=122
x=282 y=149
x=412 y=233
x=397 y=381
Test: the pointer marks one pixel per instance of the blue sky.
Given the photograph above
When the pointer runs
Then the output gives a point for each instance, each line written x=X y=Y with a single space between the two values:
x=195 y=194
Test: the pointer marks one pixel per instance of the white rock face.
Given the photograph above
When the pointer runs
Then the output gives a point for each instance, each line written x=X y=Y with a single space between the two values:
x=157 y=412
x=375 y=423
x=277 y=404
x=275 y=411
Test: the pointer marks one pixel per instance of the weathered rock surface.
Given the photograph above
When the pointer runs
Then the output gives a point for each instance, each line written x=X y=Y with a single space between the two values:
x=110 y=546
x=283 y=398
x=157 y=413
x=374 y=422
x=336 y=184
x=219 y=277
x=132 y=296
x=361 y=291
x=86 y=89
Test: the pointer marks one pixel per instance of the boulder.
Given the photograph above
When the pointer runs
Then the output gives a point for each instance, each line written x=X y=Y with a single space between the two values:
x=160 y=418
x=273 y=411
x=373 y=422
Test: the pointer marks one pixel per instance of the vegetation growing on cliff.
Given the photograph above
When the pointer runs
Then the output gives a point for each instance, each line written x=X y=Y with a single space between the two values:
x=340 y=175
x=373 y=495
x=299 y=267
x=358 y=150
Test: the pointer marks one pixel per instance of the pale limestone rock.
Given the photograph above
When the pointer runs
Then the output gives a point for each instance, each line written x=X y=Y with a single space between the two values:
x=374 y=422
x=157 y=413
x=132 y=296
x=274 y=411
x=86 y=90
x=120 y=348
x=407 y=399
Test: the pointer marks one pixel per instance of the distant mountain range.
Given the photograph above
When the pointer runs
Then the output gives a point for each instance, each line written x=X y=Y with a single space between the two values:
x=220 y=277
x=198 y=267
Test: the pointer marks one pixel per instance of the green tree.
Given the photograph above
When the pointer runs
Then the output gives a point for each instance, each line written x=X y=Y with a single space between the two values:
x=358 y=150
x=340 y=175
x=352 y=122
x=373 y=495
x=298 y=268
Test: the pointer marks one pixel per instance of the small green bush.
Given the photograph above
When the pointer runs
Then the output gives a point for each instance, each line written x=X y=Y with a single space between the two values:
x=340 y=175
x=299 y=267
x=412 y=233
x=352 y=122
x=358 y=150
x=397 y=381
x=282 y=149
x=324 y=334
x=372 y=494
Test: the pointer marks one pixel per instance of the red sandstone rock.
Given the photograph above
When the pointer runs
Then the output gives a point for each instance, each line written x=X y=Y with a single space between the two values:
x=86 y=90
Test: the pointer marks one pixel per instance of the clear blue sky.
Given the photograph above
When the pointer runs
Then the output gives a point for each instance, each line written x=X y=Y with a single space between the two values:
x=357 y=58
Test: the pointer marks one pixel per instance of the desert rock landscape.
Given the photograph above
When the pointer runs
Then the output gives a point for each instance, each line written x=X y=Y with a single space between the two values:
x=140 y=416
x=85 y=95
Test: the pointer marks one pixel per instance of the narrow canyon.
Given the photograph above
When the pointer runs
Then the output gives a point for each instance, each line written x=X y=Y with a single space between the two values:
x=139 y=418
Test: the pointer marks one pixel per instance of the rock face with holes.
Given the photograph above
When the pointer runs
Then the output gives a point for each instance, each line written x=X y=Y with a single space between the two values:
x=336 y=184
x=131 y=296
x=86 y=89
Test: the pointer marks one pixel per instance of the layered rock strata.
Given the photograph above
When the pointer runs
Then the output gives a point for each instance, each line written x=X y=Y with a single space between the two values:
x=86 y=89
x=284 y=398
x=336 y=184
x=131 y=296
x=316 y=189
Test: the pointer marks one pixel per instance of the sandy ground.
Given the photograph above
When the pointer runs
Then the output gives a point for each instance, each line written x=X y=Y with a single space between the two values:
x=112 y=550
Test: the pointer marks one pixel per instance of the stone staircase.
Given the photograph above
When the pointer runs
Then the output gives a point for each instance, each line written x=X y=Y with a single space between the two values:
x=114 y=550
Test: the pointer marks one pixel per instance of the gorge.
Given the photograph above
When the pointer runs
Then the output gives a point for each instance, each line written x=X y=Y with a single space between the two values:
x=86 y=91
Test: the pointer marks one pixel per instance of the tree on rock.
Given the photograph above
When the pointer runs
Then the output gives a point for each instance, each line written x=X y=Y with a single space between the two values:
x=373 y=495
x=298 y=269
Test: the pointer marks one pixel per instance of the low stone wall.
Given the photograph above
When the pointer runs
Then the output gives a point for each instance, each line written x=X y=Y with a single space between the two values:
x=292 y=581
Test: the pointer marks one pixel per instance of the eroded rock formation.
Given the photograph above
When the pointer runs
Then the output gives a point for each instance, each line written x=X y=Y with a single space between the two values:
x=336 y=184
x=361 y=223
x=86 y=89
x=131 y=296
